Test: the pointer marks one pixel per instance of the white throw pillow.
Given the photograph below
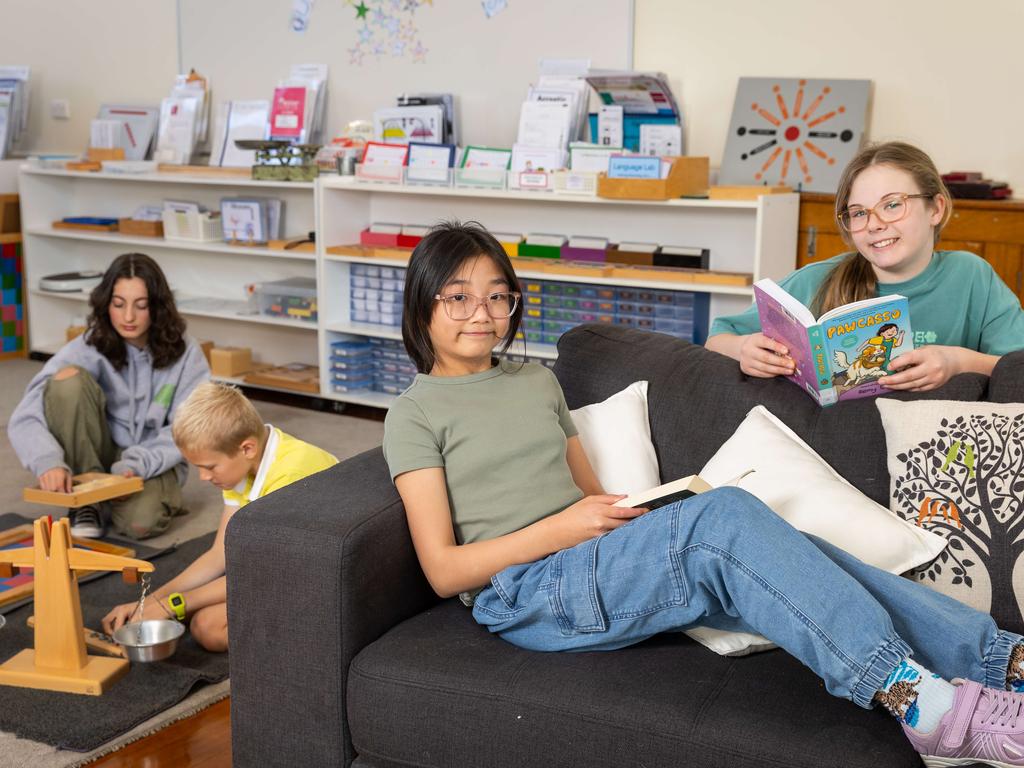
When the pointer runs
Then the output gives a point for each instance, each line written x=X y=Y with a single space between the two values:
x=805 y=491
x=616 y=437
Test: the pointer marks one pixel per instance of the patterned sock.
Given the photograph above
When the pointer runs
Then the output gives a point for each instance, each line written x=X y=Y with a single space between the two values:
x=916 y=696
x=1015 y=670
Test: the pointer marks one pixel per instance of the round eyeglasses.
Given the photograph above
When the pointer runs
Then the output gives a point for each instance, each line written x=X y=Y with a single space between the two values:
x=462 y=306
x=889 y=210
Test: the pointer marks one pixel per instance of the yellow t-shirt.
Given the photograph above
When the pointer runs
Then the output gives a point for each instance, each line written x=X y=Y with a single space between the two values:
x=285 y=460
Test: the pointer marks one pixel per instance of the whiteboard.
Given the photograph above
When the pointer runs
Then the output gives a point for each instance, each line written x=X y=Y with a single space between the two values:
x=245 y=47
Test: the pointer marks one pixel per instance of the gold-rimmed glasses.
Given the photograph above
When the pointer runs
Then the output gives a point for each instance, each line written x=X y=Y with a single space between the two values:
x=889 y=209
x=462 y=306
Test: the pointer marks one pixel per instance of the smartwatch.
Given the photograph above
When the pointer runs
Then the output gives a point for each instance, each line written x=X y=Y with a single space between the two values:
x=177 y=602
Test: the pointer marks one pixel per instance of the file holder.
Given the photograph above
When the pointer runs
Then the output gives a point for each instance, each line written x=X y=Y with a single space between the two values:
x=193 y=226
x=386 y=174
x=531 y=181
x=575 y=183
x=481 y=178
x=429 y=177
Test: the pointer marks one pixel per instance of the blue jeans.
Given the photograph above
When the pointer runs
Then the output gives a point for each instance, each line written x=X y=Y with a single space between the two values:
x=724 y=560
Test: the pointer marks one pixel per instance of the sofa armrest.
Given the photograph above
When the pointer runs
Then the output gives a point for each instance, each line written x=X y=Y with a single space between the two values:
x=315 y=571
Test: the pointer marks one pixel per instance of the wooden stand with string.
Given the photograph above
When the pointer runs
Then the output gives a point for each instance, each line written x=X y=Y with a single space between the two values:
x=59 y=662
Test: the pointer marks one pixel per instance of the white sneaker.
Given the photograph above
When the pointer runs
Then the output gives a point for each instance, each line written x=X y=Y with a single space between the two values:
x=86 y=523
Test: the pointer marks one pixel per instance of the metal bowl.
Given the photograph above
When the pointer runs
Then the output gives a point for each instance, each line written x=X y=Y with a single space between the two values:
x=2 y=620
x=149 y=640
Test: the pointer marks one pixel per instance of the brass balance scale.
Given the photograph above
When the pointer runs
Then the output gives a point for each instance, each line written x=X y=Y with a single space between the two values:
x=282 y=161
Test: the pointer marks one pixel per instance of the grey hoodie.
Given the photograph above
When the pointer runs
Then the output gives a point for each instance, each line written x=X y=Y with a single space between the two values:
x=141 y=402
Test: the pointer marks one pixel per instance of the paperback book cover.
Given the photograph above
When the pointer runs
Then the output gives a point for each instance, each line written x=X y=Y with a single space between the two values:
x=842 y=354
x=666 y=494
x=288 y=113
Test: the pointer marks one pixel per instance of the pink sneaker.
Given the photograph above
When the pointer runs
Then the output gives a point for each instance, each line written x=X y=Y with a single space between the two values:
x=984 y=726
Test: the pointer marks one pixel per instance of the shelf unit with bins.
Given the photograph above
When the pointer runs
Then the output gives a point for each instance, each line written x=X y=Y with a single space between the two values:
x=208 y=277
x=758 y=237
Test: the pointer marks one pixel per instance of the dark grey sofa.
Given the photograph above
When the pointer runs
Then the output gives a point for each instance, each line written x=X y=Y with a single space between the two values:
x=341 y=654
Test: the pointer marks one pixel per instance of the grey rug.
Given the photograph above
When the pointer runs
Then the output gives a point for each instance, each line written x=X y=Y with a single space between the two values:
x=83 y=723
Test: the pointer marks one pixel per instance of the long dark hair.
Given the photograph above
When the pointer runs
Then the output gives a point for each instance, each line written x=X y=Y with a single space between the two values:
x=435 y=259
x=166 y=338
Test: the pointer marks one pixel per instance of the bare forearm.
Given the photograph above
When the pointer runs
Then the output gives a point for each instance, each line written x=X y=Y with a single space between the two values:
x=469 y=566
x=977 y=362
x=211 y=593
x=205 y=569
x=725 y=343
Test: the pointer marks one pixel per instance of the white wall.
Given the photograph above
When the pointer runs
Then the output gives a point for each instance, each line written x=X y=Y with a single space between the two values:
x=88 y=52
x=963 y=106
x=946 y=75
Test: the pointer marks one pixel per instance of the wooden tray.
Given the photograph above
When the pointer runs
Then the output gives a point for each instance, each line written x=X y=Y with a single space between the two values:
x=143 y=228
x=89 y=488
x=296 y=376
x=687 y=176
x=371 y=251
x=87 y=227
x=745 y=191
x=24 y=586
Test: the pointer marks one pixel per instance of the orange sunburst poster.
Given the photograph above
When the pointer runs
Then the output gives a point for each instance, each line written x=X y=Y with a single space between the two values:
x=794 y=131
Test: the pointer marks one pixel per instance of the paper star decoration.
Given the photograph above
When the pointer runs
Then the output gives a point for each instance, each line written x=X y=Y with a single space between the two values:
x=361 y=10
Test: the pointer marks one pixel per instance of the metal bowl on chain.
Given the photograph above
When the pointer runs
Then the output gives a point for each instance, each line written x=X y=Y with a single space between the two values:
x=149 y=640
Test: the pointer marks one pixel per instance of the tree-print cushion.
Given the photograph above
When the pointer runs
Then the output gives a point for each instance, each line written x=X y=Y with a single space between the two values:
x=957 y=469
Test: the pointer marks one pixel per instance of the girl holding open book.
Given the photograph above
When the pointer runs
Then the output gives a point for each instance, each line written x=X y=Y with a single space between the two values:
x=505 y=511
x=891 y=206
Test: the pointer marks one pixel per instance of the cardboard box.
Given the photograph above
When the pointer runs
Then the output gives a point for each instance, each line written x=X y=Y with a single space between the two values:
x=230 y=361
x=687 y=176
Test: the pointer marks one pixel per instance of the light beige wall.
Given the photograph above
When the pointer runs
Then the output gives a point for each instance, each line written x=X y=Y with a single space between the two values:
x=946 y=75
x=89 y=52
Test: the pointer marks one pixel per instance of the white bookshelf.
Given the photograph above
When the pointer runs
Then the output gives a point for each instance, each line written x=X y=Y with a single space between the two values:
x=210 y=275
x=758 y=237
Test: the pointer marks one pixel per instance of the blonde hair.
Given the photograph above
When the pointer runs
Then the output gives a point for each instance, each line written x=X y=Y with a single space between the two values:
x=853 y=279
x=216 y=417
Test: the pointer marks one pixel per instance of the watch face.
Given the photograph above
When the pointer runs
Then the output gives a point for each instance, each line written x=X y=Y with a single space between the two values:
x=177 y=601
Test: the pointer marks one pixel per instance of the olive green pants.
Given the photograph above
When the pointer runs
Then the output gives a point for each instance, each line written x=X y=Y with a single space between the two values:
x=76 y=410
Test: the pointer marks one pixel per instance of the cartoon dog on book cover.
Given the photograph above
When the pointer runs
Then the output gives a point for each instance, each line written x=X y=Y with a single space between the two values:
x=872 y=360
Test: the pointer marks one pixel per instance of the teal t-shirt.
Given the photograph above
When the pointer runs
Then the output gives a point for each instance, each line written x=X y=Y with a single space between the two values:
x=501 y=438
x=958 y=301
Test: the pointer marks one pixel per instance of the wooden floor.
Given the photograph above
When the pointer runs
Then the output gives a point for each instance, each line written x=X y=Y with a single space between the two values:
x=200 y=741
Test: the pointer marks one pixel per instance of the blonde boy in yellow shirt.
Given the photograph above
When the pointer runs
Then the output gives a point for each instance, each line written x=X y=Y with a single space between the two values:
x=219 y=431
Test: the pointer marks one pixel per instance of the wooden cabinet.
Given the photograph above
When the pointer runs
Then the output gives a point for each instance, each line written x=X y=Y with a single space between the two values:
x=993 y=229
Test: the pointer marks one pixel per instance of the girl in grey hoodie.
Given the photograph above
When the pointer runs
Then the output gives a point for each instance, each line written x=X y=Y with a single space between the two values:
x=105 y=401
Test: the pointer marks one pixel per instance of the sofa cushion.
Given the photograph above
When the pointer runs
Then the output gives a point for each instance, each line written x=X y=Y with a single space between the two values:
x=698 y=398
x=958 y=469
x=439 y=690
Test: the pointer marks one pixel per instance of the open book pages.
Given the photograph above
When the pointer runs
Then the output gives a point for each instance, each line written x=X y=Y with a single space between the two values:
x=666 y=494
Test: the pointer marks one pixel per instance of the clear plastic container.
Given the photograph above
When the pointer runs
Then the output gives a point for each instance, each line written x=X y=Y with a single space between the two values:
x=294 y=298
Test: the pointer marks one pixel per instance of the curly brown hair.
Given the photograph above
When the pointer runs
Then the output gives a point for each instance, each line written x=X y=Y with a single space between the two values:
x=166 y=339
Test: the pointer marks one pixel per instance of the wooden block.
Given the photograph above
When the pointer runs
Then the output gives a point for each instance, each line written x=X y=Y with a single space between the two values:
x=130 y=575
x=99 y=154
x=10 y=214
x=84 y=165
x=142 y=228
x=297 y=376
x=204 y=170
x=282 y=245
x=88 y=488
x=745 y=191
x=580 y=268
x=371 y=251
x=527 y=264
x=230 y=361
x=73 y=332
x=206 y=346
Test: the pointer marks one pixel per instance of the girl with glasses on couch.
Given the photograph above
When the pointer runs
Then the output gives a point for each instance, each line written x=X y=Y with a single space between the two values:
x=891 y=206
x=505 y=511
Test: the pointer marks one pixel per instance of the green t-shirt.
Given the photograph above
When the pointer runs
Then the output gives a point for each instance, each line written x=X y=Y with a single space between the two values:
x=957 y=301
x=500 y=436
